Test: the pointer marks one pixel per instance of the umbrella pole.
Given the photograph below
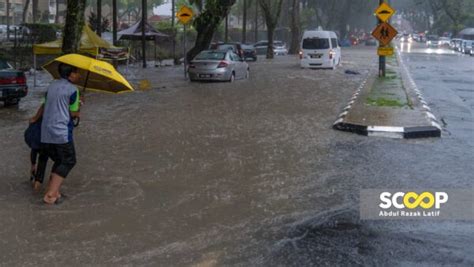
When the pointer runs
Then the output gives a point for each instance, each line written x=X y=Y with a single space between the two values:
x=85 y=84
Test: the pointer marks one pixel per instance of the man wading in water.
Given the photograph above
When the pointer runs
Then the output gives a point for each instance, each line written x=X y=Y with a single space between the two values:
x=57 y=127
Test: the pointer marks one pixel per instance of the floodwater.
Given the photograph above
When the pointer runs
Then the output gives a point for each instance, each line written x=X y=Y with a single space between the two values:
x=214 y=174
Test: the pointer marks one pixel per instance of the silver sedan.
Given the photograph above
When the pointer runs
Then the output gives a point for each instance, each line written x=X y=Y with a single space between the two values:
x=216 y=65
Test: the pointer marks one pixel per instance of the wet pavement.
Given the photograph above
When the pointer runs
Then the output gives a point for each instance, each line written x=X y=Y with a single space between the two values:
x=246 y=174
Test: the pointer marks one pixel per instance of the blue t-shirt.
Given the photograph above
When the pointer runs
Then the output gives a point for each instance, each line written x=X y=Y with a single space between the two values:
x=57 y=124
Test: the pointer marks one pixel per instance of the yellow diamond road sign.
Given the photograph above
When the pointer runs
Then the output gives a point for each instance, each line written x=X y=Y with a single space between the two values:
x=384 y=12
x=185 y=14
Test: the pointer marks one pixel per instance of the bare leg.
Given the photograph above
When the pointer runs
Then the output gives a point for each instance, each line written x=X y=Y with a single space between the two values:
x=52 y=193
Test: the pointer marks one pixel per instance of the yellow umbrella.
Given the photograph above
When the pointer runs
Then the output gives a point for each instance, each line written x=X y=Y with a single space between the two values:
x=96 y=75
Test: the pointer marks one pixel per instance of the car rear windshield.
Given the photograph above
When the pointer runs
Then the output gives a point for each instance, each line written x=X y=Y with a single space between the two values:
x=226 y=47
x=316 y=43
x=211 y=55
x=4 y=65
x=248 y=47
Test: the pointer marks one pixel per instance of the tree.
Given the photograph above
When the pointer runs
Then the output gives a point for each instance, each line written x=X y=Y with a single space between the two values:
x=271 y=12
x=295 y=27
x=105 y=24
x=25 y=10
x=74 y=25
x=206 y=23
x=135 y=7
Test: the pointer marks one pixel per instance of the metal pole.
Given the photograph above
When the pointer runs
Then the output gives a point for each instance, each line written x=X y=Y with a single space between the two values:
x=144 y=17
x=244 y=26
x=114 y=21
x=184 y=52
x=173 y=11
x=381 y=58
x=256 y=21
x=99 y=18
x=8 y=20
x=226 y=38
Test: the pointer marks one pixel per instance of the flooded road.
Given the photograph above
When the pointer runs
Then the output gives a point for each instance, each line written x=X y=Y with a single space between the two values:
x=217 y=174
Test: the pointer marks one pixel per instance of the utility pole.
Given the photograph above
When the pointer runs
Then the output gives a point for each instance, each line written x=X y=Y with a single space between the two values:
x=8 y=20
x=256 y=21
x=381 y=58
x=144 y=19
x=173 y=15
x=244 y=26
x=114 y=21
x=99 y=18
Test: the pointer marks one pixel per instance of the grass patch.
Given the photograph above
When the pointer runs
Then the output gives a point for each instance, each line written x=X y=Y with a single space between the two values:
x=384 y=102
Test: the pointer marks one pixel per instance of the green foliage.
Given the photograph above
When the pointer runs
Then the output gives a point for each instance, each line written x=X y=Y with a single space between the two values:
x=41 y=32
x=93 y=22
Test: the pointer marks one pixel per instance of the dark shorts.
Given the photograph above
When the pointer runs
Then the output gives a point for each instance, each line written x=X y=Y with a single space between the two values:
x=63 y=156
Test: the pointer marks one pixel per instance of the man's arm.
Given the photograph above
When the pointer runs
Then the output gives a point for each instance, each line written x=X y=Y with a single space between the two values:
x=38 y=114
x=75 y=105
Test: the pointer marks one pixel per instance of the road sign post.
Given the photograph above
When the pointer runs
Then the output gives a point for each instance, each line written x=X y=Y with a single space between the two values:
x=384 y=33
x=184 y=15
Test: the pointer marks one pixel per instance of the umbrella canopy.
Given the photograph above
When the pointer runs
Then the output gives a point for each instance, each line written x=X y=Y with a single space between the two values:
x=135 y=32
x=95 y=74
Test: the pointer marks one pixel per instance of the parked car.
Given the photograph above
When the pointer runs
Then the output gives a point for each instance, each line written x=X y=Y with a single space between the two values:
x=371 y=42
x=320 y=49
x=466 y=47
x=444 y=41
x=12 y=84
x=249 y=52
x=432 y=41
x=235 y=47
x=279 y=47
x=218 y=65
x=455 y=43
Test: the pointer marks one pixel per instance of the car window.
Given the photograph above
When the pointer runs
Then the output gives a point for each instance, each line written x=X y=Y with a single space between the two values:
x=226 y=47
x=316 y=43
x=334 y=42
x=210 y=55
x=4 y=65
x=234 y=57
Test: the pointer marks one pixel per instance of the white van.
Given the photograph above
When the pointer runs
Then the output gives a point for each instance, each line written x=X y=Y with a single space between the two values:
x=320 y=49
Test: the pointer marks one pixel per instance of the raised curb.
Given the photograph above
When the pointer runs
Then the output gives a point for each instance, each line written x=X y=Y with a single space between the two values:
x=431 y=129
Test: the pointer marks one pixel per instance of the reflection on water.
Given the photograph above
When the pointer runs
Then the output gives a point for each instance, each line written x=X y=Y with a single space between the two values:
x=423 y=49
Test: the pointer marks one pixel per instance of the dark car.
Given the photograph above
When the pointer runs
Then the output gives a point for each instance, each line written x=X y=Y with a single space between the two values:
x=235 y=47
x=249 y=52
x=12 y=84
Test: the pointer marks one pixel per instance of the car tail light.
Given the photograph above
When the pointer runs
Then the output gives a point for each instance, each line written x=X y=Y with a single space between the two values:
x=20 y=80
x=223 y=64
x=301 y=54
x=191 y=66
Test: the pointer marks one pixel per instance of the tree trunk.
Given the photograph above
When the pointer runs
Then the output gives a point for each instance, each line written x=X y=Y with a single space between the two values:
x=206 y=24
x=270 y=32
x=35 y=11
x=295 y=27
x=56 y=18
x=74 y=25
x=25 y=10
x=203 y=40
x=271 y=13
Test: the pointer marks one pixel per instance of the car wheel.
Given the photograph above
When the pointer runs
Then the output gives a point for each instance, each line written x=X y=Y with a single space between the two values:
x=232 y=77
x=12 y=102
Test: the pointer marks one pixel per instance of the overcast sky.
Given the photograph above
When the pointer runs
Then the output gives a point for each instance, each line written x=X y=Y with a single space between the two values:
x=164 y=9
